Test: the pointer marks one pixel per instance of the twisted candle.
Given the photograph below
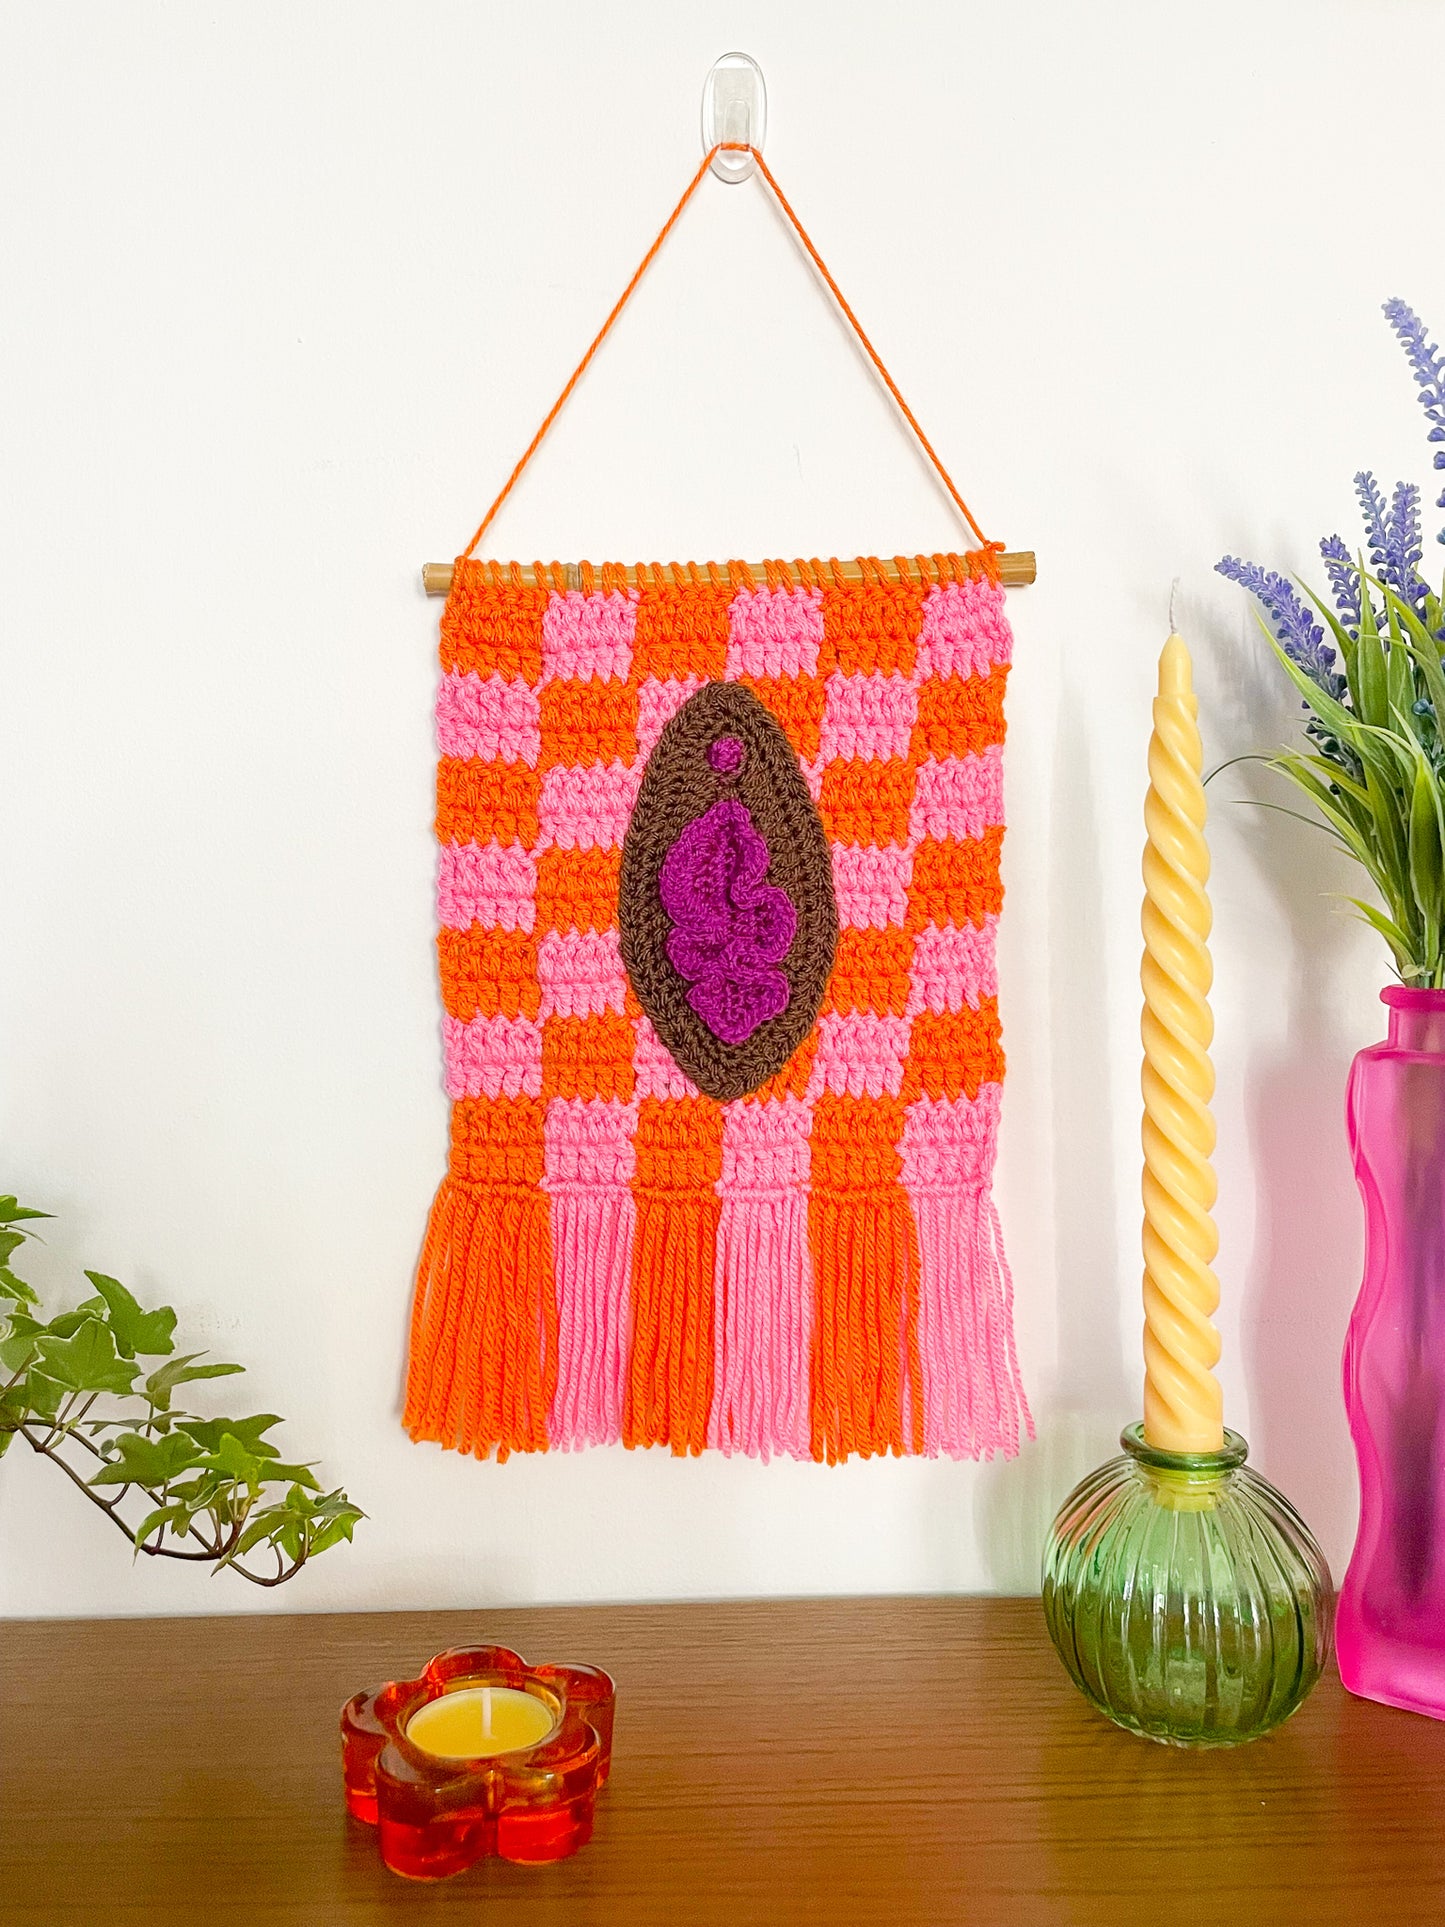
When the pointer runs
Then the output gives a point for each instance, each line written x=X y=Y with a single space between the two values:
x=1183 y=1411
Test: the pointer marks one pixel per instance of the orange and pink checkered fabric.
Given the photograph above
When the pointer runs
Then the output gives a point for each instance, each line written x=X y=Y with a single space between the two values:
x=813 y=1268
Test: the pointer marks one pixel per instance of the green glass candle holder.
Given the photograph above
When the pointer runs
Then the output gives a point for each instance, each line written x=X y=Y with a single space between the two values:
x=1186 y=1596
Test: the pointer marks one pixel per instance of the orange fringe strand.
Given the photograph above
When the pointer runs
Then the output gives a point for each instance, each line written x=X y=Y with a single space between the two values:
x=867 y=1373
x=670 y=1383
x=484 y=1320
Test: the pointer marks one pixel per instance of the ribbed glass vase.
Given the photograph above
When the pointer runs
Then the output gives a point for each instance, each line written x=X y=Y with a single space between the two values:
x=1186 y=1597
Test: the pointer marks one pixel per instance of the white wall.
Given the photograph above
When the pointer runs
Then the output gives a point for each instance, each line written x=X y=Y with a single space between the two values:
x=285 y=290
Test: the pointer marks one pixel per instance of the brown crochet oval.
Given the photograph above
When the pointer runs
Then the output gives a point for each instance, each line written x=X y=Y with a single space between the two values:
x=678 y=785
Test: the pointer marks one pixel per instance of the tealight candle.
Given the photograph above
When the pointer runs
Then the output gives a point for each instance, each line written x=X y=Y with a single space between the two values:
x=475 y=1722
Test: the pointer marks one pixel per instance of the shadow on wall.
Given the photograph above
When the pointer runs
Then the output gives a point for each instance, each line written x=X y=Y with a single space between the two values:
x=1079 y=1428
x=1307 y=1252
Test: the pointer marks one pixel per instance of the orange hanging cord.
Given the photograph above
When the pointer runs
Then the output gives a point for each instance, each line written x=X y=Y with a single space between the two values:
x=729 y=147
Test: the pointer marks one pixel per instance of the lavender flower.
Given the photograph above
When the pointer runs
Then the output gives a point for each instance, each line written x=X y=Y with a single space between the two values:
x=1374 y=515
x=1427 y=364
x=1344 y=580
x=1403 y=552
x=1296 y=630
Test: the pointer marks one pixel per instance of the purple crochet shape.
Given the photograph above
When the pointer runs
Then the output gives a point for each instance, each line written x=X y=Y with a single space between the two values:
x=727 y=755
x=730 y=928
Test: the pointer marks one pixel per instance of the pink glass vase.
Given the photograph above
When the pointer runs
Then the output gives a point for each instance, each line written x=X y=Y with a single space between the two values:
x=1390 y=1625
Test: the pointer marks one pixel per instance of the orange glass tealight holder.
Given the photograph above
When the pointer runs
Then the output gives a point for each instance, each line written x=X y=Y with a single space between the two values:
x=480 y=1755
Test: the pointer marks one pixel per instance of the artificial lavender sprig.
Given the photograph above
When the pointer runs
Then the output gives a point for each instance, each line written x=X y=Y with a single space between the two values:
x=1374 y=514
x=1427 y=364
x=1296 y=630
x=1403 y=551
x=1344 y=577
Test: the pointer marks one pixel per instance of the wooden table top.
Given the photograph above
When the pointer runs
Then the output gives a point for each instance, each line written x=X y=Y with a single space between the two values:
x=852 y=1762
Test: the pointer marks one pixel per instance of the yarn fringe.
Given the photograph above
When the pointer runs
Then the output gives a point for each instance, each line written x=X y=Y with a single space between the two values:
x=483 y=1364
x=669 y=1384
x=762 y=1331
x=866 y=1377
x=592 y=1237
x=973 y=1399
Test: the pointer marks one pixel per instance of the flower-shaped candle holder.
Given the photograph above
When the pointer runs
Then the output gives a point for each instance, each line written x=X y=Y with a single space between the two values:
x=526 y=1794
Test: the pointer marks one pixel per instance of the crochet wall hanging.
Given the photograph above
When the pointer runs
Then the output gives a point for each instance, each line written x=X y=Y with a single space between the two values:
x=717 y=892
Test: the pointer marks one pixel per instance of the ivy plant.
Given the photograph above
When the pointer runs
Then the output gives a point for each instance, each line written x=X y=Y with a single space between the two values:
x=99 y=1392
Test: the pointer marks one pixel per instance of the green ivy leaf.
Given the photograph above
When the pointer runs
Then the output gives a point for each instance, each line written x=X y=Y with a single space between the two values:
x=65 y=1324
x=86 y=1362
x=300 y=1475
x=10 y=1243
x=261 y=1525
x=135 y=1460
x=181 y=1371
x=234 y=1462
x=12 y=1213
x=176 y=1517
x=339 y=1528
x=290 y=1537
x=12 y=1285
x=43 y=1394
x=208 y=1432
x=146 y=1332
x=17 y=1351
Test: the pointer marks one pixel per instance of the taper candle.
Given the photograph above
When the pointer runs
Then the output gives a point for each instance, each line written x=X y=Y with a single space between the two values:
x=1183 y=1411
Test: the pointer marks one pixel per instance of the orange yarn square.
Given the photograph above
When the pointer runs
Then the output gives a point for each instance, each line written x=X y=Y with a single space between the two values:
x=864 y=802
x=959 y=715
x=798 y=703
x=855 y=1141
x=952 y=1053
x=679 y=1145
x=480 y=802
x=488 y=973
x=588 y=1056
x=682 y=631
x=498 y=1141
x=870 y=629
x=871 y=971
x=577 y=889
x=492 y=629
x=587 y=722
x=955 y=881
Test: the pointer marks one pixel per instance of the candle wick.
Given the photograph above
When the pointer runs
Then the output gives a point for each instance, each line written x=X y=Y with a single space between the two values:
x=486 y=1712
x=1173 y=591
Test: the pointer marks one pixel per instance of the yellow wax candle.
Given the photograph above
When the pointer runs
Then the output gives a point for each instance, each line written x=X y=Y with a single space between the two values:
x=474 y=1722
x=1183 y=1411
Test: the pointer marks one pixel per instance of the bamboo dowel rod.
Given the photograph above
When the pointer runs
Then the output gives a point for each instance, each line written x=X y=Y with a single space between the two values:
x=1017 y=568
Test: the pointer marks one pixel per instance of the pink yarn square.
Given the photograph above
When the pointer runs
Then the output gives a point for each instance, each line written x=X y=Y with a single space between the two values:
x=586 y=636
x=587 y=1142
x=654 y=1068
x=774 y=632
x=958 y=796
x=859 y=1055
x=588 y=806
x=953 y=968
x=949 y=1143
x=493 y=1057
x=497 y=720
x=488 y=883
x=658 y=701
x=871 y=884
x=868 y=716
x=765 y=1146
x=965 y=631
x=580 y=972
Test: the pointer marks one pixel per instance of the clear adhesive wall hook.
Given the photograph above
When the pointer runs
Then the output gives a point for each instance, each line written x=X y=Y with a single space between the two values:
x=734 y=108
